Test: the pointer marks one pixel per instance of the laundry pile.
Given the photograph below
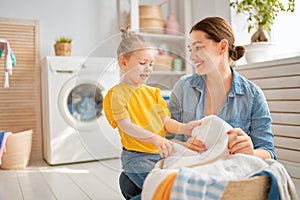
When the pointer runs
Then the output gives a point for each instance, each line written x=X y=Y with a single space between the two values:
x=190 y=175
x=10 y=60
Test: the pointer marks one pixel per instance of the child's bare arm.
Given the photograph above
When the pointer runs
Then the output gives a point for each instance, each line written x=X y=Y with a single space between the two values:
x=164 y=146
x=175 y=127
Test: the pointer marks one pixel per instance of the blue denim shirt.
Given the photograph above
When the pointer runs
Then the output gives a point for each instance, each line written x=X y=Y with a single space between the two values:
x=245 y=107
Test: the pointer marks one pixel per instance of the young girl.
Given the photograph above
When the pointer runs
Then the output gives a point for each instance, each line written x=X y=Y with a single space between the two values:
x=139 y=111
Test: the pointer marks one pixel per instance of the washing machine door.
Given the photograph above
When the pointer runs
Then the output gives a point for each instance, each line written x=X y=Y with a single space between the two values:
x=81 y=102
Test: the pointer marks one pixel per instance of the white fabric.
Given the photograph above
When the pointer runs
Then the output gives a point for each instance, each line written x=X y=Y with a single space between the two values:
x=216 y=164
x=230 y=167
x=213 y=132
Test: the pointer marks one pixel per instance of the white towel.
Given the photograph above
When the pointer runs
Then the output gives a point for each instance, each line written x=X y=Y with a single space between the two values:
x=213 y=132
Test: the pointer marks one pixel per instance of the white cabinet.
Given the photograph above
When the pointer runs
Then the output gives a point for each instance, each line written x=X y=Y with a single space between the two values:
x=171 y=45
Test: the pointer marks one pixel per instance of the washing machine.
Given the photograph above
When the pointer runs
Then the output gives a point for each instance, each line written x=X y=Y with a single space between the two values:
x=74 y=125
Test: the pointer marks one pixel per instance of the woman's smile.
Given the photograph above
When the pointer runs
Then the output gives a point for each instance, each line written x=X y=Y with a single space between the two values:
x=198 y=64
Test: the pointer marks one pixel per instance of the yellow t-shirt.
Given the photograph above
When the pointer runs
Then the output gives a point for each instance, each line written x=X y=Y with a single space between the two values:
x=143 y=105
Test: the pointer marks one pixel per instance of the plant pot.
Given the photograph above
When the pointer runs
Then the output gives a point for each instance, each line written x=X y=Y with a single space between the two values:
x=259 y=52
x=63 y=49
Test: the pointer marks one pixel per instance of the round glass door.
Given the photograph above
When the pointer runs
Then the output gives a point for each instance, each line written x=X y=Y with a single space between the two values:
x=85 y=102
x=80 y=102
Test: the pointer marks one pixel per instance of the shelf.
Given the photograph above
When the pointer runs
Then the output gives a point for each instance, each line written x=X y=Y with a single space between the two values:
x=173 y=45
x=164 y=37
x=172 y=73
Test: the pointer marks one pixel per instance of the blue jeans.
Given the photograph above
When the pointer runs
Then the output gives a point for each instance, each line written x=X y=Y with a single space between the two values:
x=128 y=188
x=136 y=166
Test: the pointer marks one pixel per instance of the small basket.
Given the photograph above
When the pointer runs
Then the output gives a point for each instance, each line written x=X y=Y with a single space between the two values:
x=163 y=63
x=18 y=149
x=152 y=25
x=150 y=11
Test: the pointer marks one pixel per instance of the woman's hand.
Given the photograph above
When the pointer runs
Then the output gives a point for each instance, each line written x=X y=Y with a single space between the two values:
x=193 y=143
x=240 y=142
x=165 y=147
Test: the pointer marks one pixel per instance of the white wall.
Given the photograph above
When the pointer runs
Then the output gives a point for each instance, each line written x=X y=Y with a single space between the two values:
x=88 y=22
x=91 y=23
x=209 y=8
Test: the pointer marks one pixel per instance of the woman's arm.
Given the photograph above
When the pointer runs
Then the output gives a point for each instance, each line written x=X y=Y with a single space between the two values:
x=242 y=143
x=259 y=142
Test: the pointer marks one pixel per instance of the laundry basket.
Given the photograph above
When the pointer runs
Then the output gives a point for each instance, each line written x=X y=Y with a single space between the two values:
x=254 y=188
x=18 y=149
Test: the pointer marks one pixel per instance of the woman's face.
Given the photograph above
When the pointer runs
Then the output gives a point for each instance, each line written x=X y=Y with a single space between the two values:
x=138 y=67
x=204 y=53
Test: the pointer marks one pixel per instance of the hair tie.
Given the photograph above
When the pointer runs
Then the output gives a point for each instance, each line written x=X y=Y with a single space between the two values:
x=233 y=47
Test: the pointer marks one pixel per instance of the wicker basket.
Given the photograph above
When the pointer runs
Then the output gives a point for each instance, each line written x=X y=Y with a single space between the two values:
x=151 y=19
x=152 y=25
x=254 y=188
x=163 y=63
x=18 y=149
x=150 y=11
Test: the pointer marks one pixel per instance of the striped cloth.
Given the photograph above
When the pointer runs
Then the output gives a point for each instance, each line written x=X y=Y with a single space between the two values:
x=191 y=185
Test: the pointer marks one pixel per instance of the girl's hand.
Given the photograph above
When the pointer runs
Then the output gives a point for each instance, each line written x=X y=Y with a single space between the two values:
x=240 y=143
x=193 y=143
x=187 y=128
x=165 y=147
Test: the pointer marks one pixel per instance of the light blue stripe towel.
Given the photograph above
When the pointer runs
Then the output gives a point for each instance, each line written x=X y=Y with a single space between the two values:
x=191 y=185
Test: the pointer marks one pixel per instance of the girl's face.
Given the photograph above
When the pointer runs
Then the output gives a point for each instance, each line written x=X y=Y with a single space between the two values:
x=138 y=67
x=204 y=53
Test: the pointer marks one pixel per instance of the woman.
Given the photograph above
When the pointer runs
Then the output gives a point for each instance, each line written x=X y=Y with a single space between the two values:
x=216 y=88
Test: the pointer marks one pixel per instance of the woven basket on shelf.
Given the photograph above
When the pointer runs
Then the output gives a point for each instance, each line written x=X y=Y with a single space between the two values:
x=163 y=63
x=18 y=149
x=151 y=19
x=152 y=25
x=150 y=11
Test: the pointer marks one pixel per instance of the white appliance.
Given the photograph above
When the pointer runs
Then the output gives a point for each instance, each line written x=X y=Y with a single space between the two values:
x=74 y=125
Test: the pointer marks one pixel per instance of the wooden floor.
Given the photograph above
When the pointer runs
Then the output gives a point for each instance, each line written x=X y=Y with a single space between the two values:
x=89 y=180
x=96 y=180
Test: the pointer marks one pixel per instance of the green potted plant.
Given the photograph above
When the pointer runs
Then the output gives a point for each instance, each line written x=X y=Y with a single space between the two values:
x=63 y=46
x=261 y=15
